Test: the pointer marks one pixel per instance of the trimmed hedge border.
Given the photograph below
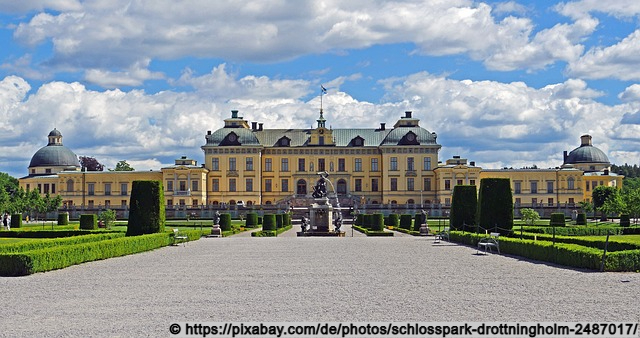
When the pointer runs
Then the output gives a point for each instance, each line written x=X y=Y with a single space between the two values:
x=58 y=257
x=270 y=233
x=52 y=242
x=372 y=233
x=408 y=232
x=51 y=233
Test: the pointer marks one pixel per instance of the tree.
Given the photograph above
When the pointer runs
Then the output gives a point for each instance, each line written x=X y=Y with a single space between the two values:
x=107 y=217
x=146 y=213
x=613 y=204
x=123 y=166
x=91 y=164
x=600 y=195
x=495 y=205
x=631 y=199
x=464 y=207
x=529 y=216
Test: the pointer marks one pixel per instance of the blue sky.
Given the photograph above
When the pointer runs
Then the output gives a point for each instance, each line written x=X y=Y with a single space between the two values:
x=503 y=83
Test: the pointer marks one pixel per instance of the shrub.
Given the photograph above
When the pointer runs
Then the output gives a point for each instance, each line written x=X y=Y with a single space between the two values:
x=377 y=223
x=581 y=219
x=107 y=217
x=495 y=205
x=464 y=206
x=557 y=219
x=252 y=220
x=625 y=221
x=63 y=218
x=286 y=219
x=418 y=221
x=279 y=221
x=88 y=222
x=225 y=222
x=268 y=222
x=259 y=220
x=146 y=213
x=360 y=219
x=393 y=220
x=405 y=221
x=16 y=220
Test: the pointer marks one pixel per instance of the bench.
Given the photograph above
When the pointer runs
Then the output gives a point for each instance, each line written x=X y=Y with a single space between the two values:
x=488 y=243
x=177 y=237
x=442 y=235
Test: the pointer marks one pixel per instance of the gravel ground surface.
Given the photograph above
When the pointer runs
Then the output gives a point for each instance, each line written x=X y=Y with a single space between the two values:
x=289 y=279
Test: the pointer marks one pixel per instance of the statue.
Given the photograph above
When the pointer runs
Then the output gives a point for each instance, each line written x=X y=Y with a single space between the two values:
x=216 y=218
x=320 y=190
x=305 y=224
x=337 y=223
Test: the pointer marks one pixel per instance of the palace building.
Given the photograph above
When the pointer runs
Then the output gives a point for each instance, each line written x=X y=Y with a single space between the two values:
x=245 y=163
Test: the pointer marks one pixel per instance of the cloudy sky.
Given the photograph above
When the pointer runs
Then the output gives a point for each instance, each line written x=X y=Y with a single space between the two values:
x=502 y=83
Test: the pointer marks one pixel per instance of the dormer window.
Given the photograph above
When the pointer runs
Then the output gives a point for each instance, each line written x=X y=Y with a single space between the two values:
x=232 y=139
x=410 y=138
x=284 y=142
x=357 y=141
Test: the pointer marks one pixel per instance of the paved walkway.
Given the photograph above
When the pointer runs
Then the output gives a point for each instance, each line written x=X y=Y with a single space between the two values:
x=289 y=279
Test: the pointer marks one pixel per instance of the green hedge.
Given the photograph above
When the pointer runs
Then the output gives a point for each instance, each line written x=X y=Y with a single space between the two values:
x=279 y=221
x=89 y=222
x=464 y=206
x=48 y=233
x=495 y=205
x=625 y=220
x=146 y=208
x=377 y=222
x=557 y=219
x=371 y=232
x=51 y=242
x=16 y=220
x=58 y=257
x=577 y=231
x=270 y=233
x=268 y=222
x=405 y=221
x=418 y=221
x=360 y=219
x=63 y=218
x=393 y=220
x=614 y=243
x=225 y=222
x=581 y=219
x=252 y=220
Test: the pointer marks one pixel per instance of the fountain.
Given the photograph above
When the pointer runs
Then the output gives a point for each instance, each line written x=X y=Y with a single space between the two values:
x=321 y=221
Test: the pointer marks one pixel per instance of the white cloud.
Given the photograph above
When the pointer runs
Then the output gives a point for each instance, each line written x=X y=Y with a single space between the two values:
x=134 y=76
x=24 y=6
x=583 y=8
x=631 y=94
x=619 y=61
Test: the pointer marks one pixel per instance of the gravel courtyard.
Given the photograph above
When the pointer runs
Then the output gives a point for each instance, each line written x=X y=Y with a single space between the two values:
x=289 y=279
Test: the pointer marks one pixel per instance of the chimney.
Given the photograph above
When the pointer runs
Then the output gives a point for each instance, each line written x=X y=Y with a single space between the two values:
x=456 y=156
x=472 y=163
x=407 y=114
x=254 y=125
x=585 y=140
x=260 y=126
x=564 y=156
x=234 y=114
x=382 y=126
x=606 y=172
x=208 y=132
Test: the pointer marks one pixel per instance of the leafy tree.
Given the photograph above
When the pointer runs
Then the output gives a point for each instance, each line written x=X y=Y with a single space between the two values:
x=613 y=204
x=123 y=166
x=91 y=164
x=529 y=216
x=107 y=217
x=600 y=195
x=586 y=206
x=631 y=199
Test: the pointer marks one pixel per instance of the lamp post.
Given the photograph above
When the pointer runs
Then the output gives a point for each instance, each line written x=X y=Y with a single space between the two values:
x=421 y=201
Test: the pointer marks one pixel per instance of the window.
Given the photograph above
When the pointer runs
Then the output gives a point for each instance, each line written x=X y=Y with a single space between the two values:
x=183 y=185
x=518 y=201
x=90 y=204
x=267 y=185
x=534 y=187
x=267 y=165
x=249 y=163
x=517 y=187
x=301 y=164
x=426 y=164
x=91 y=187
x=394 y=184
x=549 y=187
x=124 y=188
x=70 y=185
x=571 y=201
x=341 y=166
x=46 y=188
x=215 y=164
x=459 y=182
x=284 y=164
x=285 y=185
x=447 y=201
x=53 y=188
x=215 y=184
x=550 y=202
x=342 y=187
x=447 y=184
x=194 y=202
x=169 y=185
x=410 y=184
x=358 y=164
x=321 y=166
x=47 y=171
x=570 y=183
x=249 y=184
x=232 y=163
x=232 y=184
x=426 y=184
x=393 y=165
x=321 y=140
x=107 y=189
x=123 y=203
x=194 y=185
x=374 y=164
x=410 y=165
x=534 y=201
x=358 y=186
x=374 y=184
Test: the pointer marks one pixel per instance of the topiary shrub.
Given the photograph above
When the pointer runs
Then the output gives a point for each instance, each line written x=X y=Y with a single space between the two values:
x=88 y=222
x=252 y=220
x=464 y=207
x=495 y=205
x=360 y=219
x=405 y=221
x=625 y=221
x=581 y=219
x=225 y=222
x=146 y=211
x=279 y=221
x=377 y=222
x=286 y=219
x=557 y=219
x=419 y=219
x=393 y=220
x=63 y=218
x=259 y=220
x=16 y=220
x=268 y=222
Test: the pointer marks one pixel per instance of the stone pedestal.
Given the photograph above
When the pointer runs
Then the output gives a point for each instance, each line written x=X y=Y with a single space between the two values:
x=215 y=231
x=321 y=214
x=424 y=230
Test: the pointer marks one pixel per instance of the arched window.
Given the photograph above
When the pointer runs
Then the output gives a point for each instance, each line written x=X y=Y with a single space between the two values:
x=570 y=183
x=301 y=187
x=410 y=201
x=342 y=187
x=70 y=186
x=394 y=202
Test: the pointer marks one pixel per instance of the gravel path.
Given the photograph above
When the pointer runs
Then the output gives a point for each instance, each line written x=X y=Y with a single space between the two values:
x=292 y=279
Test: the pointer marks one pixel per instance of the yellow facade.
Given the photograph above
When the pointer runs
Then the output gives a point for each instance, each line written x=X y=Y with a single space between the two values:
x=246 y=163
